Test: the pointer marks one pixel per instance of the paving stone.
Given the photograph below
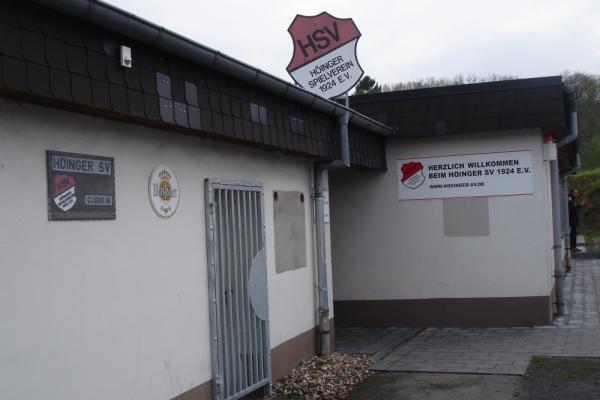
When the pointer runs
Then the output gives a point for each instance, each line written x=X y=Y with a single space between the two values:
x=493 y=350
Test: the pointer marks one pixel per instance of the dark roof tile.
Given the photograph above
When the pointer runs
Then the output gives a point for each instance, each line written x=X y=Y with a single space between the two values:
x=200 y=78
x=145 y=57
x=191 y=93
x=77 y=60
x=54 y=26
x=10 y=40
x=188 y=72
x=181 y=114
x=148 y=81
x=215 y=100
x=93 y=40
x=217 y=122
x=60 y=84
x=33 y=47
x=96 y=65
x=118 y=98
x=238 y=125
x=29 y=19
x=228 y=127
x=132 y=77
x=178 y=90
x=136 y=102
x=175 y=68
x=8 y=12
x=38 y=79
x=14 y=73
x=223 y=85
x=206 y=119
x=226 y=104
x=81 y=89
x=152 y=106
x=211 y=80
x=110 y=45
x=114 y=71
x=236 y=106
x=203 y=98
x=248 y=130
x=256 y=135
x=163 y=85
x=194 y=117
x=162 y=64
x=166 y=110
x=73 y=35
x=101 y=94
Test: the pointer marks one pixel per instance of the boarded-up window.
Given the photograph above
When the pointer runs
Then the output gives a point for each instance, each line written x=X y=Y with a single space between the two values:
x=290 y=230
x=468 y=216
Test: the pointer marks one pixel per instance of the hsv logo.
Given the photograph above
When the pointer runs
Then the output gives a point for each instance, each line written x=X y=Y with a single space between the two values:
x=64 y=192
x=412 y=174
x=324 y=60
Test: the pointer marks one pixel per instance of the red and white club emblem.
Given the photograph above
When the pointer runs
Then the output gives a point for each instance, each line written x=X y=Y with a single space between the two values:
x=64 y=192
x=324 y=60
x=412 y=174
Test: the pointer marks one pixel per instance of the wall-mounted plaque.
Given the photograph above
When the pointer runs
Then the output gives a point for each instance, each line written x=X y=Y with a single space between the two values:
x=80 y=186
x=163 y=190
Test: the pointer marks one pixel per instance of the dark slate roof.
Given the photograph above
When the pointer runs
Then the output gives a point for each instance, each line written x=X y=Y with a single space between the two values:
x=482 y=107
x=54 y=59
x=491 y=106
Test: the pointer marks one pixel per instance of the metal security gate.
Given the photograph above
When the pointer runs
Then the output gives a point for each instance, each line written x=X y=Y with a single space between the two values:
x=237 y=276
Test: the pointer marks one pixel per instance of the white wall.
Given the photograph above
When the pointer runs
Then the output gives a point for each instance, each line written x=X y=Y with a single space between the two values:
x=118 y=309
x=389 y=249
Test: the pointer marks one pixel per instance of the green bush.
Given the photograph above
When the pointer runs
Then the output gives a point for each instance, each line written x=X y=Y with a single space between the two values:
x=588 y=185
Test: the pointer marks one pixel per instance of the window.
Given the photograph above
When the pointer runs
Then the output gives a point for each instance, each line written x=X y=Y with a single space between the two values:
x=297 y=125
x=258 y=114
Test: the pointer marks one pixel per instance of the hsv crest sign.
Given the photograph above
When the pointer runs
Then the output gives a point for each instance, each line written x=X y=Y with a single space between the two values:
x=324 y=60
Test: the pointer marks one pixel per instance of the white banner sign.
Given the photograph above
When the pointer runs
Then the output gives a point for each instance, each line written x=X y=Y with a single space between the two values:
x=468 y=175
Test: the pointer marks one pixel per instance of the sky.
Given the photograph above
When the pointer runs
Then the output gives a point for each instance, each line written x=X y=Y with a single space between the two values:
x=401 y=40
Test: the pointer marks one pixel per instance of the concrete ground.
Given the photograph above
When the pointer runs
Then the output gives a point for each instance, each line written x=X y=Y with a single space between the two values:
x=505 y=351
x=375 y=341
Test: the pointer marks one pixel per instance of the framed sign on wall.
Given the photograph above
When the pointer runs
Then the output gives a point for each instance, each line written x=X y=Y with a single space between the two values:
x=80 y=186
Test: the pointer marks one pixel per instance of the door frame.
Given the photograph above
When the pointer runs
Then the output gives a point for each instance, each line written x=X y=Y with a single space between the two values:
x=217 y=363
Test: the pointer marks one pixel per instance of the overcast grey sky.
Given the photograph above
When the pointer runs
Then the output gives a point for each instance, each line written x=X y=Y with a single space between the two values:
x=401 y=40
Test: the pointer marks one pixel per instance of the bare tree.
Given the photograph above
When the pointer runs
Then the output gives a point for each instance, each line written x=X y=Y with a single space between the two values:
x=430 y=82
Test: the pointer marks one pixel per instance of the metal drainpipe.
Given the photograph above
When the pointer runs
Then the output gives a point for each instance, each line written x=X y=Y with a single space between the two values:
x=559 y=273
x=564 y=214
x=573 y=136
x=319 y=198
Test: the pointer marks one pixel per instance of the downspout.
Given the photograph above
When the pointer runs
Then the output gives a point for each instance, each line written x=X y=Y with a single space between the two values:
x=559 y=273
x=571 y=98
x=319 y=198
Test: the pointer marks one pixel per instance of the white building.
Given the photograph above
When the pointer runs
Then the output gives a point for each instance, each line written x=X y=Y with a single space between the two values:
x=464 y=248
x=164 y=233
x=158 y=238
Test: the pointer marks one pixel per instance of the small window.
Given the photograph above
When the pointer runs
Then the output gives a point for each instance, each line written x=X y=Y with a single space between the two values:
x=297 y=125
x=262 y=111
x=258 y=114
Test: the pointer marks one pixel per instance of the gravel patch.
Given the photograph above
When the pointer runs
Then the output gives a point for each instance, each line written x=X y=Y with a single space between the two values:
x=330 y=377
